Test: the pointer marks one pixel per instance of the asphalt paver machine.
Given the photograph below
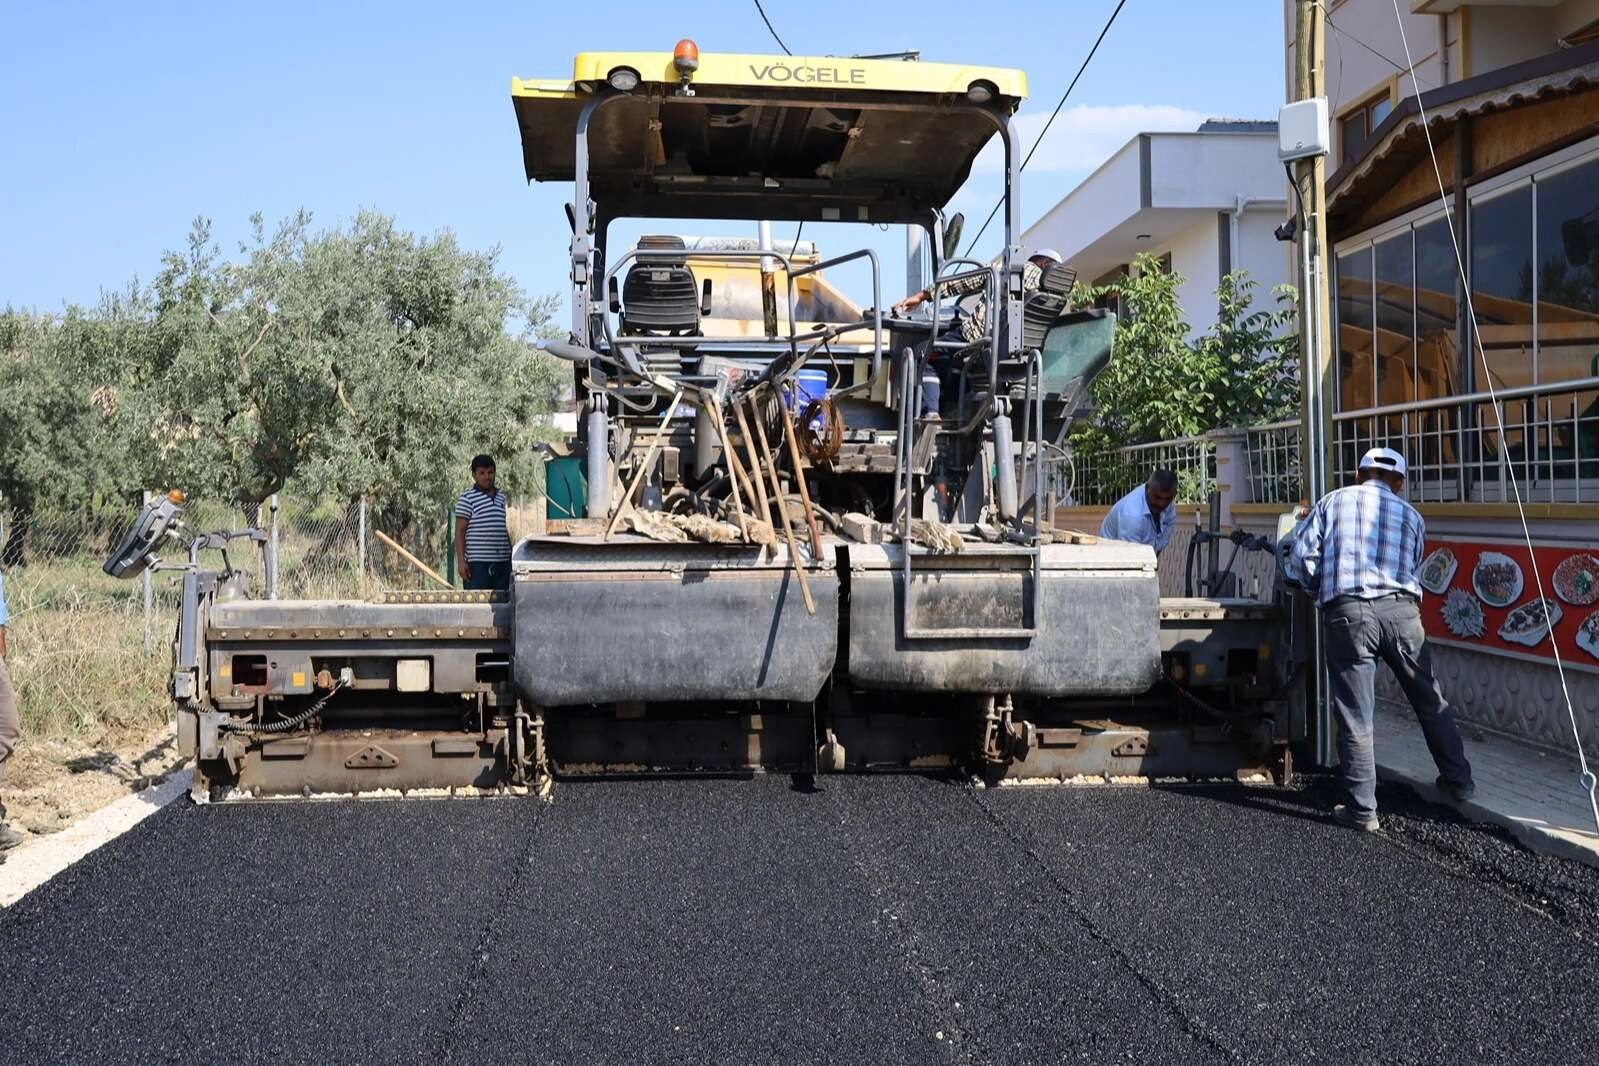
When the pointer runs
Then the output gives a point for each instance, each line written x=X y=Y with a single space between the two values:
x=779 y=558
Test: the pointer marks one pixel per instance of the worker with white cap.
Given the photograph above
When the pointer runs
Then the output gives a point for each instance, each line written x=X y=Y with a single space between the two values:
x=1359 y=552
x=973 y=326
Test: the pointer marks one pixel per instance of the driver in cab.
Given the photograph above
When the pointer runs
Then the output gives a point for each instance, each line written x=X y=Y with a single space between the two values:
x=973 y=326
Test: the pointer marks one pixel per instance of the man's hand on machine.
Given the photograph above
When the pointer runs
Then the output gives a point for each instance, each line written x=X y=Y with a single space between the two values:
x=915 y=299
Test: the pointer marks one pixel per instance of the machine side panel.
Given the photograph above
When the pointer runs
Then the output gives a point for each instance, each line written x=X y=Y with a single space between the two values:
x=1098 y=632
x=619 y=636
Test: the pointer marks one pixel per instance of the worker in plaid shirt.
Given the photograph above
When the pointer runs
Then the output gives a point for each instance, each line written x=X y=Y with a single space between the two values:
x=1358 y=552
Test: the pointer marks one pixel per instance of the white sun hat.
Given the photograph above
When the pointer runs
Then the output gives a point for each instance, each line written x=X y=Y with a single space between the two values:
x=1383 y=459
x=1048 y=253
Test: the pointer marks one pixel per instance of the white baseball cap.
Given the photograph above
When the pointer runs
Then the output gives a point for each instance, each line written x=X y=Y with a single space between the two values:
x=1048 y=253
x=1383 y=459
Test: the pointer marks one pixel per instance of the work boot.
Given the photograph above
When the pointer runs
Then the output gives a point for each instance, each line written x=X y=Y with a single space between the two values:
x=1453 y=792
x=1345 y=815
x=9 y=837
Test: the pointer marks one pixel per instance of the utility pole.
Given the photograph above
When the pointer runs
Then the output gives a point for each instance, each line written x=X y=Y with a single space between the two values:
x=1316 y=352
x=1318 y=378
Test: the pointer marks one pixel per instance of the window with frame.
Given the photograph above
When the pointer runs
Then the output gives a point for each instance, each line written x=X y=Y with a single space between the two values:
x=1533 y=264
x=1355 y=127
x=1357 y=387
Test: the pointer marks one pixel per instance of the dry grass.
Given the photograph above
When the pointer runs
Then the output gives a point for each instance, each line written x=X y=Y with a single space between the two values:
x=83 y=662
x=76 y=651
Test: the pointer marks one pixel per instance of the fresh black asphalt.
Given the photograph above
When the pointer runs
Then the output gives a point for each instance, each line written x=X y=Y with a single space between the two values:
x=865 y=920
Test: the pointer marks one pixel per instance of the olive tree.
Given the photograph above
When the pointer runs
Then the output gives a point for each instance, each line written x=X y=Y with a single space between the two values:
x=358 y=361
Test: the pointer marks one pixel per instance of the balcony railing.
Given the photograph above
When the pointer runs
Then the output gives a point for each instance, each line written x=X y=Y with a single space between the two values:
x=1454 y=447
x=1456 y=450
x=1102 y=478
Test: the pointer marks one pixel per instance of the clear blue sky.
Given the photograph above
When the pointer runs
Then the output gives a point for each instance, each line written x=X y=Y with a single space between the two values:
x=122 y=122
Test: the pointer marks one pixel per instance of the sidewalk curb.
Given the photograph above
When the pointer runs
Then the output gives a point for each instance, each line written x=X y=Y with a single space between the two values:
x=1536 y=834
x=38 y=860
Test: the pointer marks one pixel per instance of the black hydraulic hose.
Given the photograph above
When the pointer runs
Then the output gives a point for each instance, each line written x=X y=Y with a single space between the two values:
x=1205 y=708
x=1188 y=566
x=242 y=726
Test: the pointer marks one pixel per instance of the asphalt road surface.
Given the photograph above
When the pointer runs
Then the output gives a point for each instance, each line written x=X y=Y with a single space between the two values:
x=881 y=920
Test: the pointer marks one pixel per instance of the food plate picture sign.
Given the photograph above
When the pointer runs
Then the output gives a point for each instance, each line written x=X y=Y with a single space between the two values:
x=1484 y=596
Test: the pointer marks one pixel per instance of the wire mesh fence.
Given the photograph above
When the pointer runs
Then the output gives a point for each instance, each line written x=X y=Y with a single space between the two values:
x=89 y=651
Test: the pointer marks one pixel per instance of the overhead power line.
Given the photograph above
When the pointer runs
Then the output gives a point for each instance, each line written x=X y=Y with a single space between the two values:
x=1400 y=67
x=1052 y=115
x=769 y=29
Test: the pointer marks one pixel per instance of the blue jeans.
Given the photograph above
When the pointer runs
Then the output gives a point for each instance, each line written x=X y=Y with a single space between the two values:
x=490 y=576
x=932 y=383
x=1359 y=632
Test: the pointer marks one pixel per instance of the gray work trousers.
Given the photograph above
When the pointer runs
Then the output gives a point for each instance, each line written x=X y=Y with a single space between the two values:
x=1359 y=632
x=10 y=720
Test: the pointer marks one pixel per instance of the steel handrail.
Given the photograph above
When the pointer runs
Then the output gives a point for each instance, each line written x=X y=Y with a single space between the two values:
x=991 y=293
x=877 y=295
x=910 y=371
x=1520 y=392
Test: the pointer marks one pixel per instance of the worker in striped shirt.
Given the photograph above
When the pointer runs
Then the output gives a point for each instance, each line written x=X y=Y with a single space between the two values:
x=482 y=543
x=1359 y=552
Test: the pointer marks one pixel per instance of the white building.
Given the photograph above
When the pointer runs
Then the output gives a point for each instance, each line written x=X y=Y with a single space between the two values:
x=1206 y=202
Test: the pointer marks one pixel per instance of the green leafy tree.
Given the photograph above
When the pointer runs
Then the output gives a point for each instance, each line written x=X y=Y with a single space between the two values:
x=1163 y=384
x=62 y=445
x=364 y=361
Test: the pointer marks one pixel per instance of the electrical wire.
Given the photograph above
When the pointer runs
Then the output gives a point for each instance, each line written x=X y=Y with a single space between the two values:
x=1052 y=115
x=286 y=724
x=820 y=445
x=769 y=29
x=1589 y=781
x=1327 y=15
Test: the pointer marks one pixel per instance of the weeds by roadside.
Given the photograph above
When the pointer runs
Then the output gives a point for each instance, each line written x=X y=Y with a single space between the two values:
x=76 y=651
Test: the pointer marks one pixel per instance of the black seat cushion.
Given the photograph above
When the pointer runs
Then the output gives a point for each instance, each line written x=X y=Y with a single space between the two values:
x=660 y=296
x=1047 y=304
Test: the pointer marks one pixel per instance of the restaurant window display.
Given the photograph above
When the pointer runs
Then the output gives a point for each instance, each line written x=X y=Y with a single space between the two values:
x=1357 y=388
x=1531 y=249
x=1568 y=315
x=1393 y=312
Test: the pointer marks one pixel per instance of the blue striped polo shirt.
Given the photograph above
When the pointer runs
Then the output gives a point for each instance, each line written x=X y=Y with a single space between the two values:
x=486 y=538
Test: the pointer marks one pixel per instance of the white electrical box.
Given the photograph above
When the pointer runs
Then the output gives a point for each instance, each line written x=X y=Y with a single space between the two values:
x=413 y=675
x=1302 y=131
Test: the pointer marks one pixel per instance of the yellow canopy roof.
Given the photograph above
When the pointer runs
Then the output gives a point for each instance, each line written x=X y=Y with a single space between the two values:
x=780 y=137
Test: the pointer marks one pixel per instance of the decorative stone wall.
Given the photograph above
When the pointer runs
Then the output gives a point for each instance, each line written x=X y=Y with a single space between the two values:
x=1511 y=696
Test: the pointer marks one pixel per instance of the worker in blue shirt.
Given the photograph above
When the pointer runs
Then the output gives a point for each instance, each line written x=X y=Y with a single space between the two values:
x=10 y=724
x=1146 y=515
x=1359 y=552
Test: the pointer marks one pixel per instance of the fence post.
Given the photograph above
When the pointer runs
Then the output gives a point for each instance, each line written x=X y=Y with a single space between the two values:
x=360 y=534
x=449 y=545
x=1232 y=471
x=272 y=552
x=148 y=579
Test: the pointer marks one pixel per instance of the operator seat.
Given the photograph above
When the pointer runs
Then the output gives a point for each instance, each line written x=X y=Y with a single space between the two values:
x=659 y=295
x=1045 y=306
